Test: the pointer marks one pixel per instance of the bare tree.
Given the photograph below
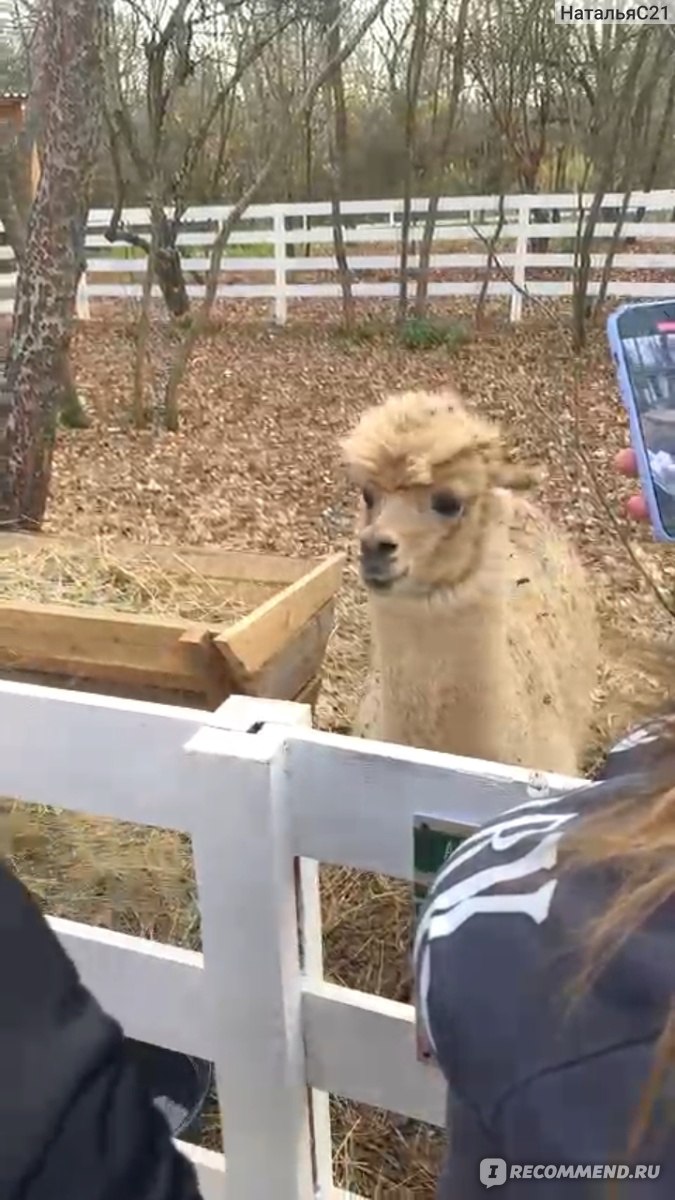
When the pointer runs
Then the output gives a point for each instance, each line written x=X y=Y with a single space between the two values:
x=285 y=136
x=514 y=57
x=620 y=73
x=68 y=76
x=192 y=50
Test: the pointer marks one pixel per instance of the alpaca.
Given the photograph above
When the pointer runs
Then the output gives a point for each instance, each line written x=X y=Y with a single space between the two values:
x=485 y=641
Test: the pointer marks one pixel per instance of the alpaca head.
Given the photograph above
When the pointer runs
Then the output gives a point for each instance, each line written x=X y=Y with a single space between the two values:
x=428 y=471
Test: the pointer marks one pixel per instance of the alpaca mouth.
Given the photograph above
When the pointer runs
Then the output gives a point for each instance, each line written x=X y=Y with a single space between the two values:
x=379 y=582
x=379 y=585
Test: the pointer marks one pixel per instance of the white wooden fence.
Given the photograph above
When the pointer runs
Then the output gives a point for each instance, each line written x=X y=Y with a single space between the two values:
x=288 y=250
x=256 y=789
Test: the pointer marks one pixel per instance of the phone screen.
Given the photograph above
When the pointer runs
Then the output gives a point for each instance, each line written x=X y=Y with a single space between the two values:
x=649 y=349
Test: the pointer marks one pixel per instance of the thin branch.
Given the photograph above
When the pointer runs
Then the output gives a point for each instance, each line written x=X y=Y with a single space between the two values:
x=492 y=258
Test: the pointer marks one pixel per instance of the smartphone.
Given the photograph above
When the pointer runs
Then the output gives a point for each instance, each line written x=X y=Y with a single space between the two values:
x=642 y=342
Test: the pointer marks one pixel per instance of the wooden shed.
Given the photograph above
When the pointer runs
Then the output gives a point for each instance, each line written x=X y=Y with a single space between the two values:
x=12 y=111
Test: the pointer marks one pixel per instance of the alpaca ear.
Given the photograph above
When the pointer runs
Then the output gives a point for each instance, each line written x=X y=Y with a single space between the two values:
x=515 y=477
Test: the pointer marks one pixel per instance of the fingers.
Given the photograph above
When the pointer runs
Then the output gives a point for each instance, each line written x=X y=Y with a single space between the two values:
x=626 y=464
x=637 y=509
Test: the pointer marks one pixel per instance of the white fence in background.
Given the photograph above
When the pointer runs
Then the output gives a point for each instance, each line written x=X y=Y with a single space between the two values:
x=256 y=789
x=284 y=252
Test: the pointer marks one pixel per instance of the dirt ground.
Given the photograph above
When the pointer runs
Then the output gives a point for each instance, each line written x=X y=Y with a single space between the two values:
x=256 y=466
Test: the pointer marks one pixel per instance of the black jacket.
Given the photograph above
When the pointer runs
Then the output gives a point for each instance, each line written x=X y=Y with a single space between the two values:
x=75 y=1121
x=535 y=1078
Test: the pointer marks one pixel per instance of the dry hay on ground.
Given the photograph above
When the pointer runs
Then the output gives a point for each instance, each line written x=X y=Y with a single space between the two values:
x=255 y=466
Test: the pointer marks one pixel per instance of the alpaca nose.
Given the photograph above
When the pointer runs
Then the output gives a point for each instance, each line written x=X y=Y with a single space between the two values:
x=378 y=547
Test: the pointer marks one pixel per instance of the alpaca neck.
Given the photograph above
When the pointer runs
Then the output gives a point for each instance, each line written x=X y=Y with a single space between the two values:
x=440 y=663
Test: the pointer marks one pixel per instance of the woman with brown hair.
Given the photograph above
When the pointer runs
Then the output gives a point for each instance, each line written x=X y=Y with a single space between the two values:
x=545 y=969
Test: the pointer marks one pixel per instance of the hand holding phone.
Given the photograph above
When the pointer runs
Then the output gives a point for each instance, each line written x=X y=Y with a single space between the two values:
x=636 y=505
x=642 y=341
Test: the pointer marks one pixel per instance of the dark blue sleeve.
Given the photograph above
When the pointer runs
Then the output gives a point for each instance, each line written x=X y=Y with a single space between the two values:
x=468 y=1144
x=578 y=1115
x=583 y=1113
x=75 y=1119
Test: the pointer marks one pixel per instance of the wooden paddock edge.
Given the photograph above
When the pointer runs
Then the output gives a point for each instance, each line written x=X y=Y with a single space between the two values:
x=251 y=642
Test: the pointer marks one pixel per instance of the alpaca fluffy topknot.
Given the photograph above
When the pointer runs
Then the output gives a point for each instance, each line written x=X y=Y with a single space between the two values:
x=411 y=437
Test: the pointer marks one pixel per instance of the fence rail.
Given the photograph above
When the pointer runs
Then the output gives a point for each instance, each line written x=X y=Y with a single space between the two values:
x=284 y=241
x=256 y=789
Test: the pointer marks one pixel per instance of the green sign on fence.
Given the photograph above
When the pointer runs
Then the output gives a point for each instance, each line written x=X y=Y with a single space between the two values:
x=434 y=841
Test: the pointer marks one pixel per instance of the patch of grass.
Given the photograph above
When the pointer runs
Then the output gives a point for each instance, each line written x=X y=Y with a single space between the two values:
x=116 y=250
x=249 y=250
x=363 y=332
x=428 y=333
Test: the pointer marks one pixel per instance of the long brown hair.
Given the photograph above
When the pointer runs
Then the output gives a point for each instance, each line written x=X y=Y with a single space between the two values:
x=636 y=836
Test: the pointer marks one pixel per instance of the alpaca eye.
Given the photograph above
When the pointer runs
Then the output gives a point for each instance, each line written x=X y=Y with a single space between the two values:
x=446 y=504
x=368 y=497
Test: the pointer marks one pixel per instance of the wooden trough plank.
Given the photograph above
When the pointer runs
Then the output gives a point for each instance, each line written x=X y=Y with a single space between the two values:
x=285 y=675
x=251 y=642
x=209 y=561
x=218 y=679
x=96 y=643
x=363 y=1047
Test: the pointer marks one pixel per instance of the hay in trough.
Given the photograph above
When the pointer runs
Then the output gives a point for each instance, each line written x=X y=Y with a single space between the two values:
x=96 y=576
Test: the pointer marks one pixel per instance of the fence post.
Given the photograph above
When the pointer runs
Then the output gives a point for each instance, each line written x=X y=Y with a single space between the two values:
x=242 y=712
x=243 y=853
x=516 y=310
x=280 y=300
x=82 y=299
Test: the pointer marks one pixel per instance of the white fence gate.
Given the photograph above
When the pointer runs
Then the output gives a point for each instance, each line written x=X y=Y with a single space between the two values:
x=256 y=789
x=282 y=252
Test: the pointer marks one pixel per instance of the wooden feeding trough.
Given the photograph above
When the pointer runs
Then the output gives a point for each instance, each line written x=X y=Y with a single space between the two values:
x=184 y=626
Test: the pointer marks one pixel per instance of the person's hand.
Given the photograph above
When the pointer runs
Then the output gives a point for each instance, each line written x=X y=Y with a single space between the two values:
x=626 y=464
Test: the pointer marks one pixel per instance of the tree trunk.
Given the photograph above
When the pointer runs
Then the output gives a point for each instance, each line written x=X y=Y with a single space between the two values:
x=440 y=156
x=337 y=152
x=410 y=126
x=611 y=253
x=422 y=297
x=168 y=268
x=47 y=282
